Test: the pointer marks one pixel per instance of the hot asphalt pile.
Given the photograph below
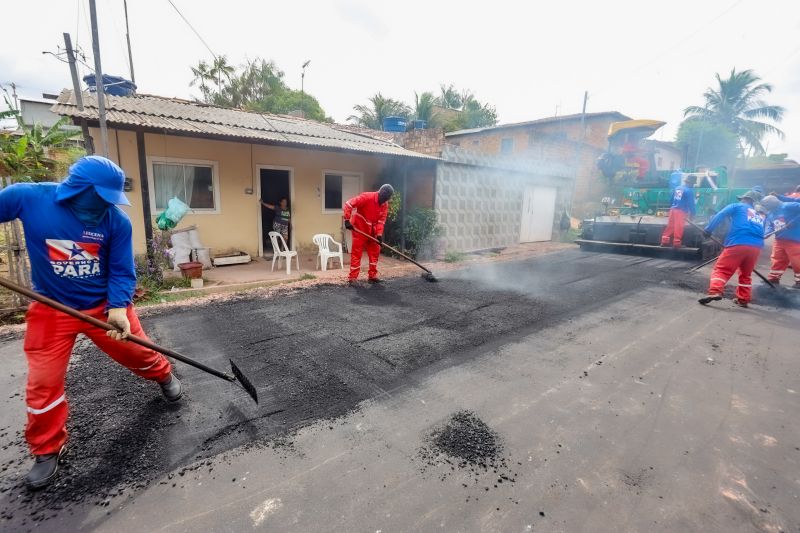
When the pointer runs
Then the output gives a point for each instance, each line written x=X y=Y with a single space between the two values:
x=312 y=355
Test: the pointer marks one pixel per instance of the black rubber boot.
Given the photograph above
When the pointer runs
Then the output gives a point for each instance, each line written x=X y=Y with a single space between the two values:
x=172 y=389
x=710 y=298
x=740 y=303
x=44 y=470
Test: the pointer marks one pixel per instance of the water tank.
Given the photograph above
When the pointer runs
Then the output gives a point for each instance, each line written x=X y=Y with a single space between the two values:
x=420 y=124
x=113 y=85
x=395 y=124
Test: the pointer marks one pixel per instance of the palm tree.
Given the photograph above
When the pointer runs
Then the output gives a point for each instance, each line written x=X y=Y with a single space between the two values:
x=202 y=73
x=449 y=97
x=371 y=116
x=221 y=68
x=737 y=104
x=425 y=107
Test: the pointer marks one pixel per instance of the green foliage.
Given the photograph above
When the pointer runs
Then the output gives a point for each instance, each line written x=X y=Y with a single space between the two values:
x=257 y=86
x=736 y=103
x=470 y=112
x=707 y=143
x=422 y=226
x=453 y=257
x=37 y=154
x=371 y=115
x=425 y=108
x=307 y=276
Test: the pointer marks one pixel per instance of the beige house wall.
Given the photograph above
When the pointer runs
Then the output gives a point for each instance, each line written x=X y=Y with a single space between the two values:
x=236 y=226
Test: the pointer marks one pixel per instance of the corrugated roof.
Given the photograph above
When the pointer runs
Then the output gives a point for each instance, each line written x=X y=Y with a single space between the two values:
x=616 y=114
x=175 y=115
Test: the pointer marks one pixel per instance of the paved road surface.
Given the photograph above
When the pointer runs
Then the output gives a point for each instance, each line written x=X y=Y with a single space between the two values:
x=620 y=404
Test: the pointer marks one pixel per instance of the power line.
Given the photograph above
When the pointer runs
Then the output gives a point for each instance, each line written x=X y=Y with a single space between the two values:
x=192 y=28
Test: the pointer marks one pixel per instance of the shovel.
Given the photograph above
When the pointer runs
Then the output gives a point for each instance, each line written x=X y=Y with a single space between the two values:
x=427 y=276
x=237 y=374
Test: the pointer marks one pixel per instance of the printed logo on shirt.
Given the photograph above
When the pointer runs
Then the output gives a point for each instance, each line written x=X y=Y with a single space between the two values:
x=71 y=259
x=93 y=235
x=678 y=194
x=754 y=216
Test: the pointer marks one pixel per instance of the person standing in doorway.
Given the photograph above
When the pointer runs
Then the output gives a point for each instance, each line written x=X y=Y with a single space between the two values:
x=367 y=213
x=282 y=218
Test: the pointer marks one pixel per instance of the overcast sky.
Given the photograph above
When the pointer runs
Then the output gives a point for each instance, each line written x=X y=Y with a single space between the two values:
x=645 y=59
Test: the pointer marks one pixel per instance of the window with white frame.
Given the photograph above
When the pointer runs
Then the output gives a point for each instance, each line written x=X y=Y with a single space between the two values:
x=338 y=187
x=193 y=182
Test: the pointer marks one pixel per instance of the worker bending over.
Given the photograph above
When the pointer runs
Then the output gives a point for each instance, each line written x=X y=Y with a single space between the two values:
x=741 y=248
x=81 y=255
x=367 y=213
x=784 y=218
x=683 y=206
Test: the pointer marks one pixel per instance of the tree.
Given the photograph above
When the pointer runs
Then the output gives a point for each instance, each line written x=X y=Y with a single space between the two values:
x=37 y=154
x=256 y=86
x=706 y=143
x=736 y=104
x=449 y=97
x=371 y=116
x=202 y=74
x=425 y=107
x=221 y=68
x=470 y=112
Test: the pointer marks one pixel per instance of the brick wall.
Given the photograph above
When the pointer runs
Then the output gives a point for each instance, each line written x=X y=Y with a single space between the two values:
x=428 y=142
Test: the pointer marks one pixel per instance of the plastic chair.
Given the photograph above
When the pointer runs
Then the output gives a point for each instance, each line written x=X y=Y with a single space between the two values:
x=282 y=252
x=325 y=242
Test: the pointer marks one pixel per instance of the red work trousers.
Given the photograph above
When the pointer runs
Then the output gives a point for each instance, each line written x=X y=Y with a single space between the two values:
x=674 y=229
x=785 y=253
x=49 y=339
x=373 y=252
x=742 y=258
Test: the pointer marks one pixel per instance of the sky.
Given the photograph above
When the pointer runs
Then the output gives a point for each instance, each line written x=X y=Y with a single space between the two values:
x=529 y=59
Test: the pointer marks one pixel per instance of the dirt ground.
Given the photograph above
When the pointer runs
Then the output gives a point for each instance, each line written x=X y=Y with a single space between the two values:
x=568 y=392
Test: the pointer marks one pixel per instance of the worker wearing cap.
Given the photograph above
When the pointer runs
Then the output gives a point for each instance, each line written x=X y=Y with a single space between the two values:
x=683 y=207
x=367 y=213
x=741 y=248
x=783 y=218
x=81 y=255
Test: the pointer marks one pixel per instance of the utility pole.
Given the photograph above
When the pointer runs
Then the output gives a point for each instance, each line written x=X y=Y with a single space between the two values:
x=98 y=74
x=303 y=89
x=128 y=37
x=76 y=89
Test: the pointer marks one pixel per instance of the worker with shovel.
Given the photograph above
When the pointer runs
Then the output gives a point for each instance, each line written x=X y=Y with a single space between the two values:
x=81 y=255
x=784 y=218
x=741 y=248
x=367 y=213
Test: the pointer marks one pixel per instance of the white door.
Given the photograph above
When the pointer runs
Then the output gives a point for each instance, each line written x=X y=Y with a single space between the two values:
x=538 y=210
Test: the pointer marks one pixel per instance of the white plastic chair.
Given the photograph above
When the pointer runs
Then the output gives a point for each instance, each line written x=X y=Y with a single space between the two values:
x=325 y=242
x=282 y=252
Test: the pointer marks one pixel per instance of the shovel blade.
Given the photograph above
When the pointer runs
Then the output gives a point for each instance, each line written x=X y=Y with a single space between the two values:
x=246 y=384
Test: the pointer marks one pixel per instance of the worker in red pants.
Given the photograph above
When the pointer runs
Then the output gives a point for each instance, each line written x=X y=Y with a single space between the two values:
x=683 y=206
x=367 y=213
x=81 y=255
x=784 y=217
x=742 y=247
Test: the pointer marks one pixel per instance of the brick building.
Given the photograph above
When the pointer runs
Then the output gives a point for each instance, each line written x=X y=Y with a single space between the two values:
x=572 y=141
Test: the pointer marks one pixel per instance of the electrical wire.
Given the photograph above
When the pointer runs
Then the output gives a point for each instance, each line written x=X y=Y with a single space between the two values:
x=192 y=28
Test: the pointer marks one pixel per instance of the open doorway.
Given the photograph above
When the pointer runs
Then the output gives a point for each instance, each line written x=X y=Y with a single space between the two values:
x=275 y=186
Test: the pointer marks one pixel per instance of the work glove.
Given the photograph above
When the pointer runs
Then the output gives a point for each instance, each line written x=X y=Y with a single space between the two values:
x=348 y=225
x=379 y=238
x=118 y=317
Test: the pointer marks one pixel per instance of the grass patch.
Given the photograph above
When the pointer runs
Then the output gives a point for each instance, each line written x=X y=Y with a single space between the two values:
x=307 y=276
x=453 y=257
x=570 y=235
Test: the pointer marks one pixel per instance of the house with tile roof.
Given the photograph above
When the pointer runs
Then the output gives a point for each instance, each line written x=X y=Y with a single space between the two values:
x=222 y=162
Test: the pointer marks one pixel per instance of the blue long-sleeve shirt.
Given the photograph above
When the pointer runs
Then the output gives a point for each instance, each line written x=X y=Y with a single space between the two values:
x=784 y=198
x=79 y=266
x=683 y=199
x=788 y=212
x=747 y=225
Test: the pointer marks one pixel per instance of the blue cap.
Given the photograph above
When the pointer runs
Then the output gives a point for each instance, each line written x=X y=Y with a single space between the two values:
x=758 y=189
x=95 y=171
